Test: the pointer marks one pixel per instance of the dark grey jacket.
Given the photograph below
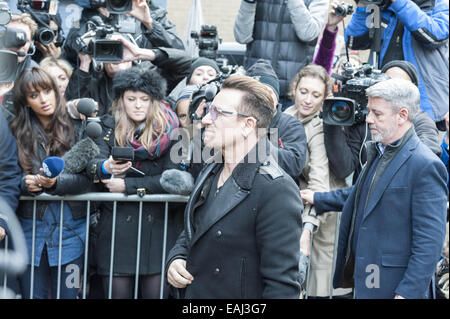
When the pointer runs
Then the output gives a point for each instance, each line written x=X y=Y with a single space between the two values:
x=288 y=134
x=284 y=32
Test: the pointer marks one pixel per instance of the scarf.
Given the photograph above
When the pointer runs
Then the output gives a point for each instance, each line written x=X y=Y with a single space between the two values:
x=158 y=147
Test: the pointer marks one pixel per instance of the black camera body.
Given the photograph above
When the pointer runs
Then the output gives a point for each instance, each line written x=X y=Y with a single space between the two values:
x=383 y=4
x=208 y=92
x=343 y=9
x=101 y=49
x=349 y=107
x=207 y=41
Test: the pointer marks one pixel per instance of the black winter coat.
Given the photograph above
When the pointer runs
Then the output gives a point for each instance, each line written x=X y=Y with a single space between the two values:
x=290 y=142
x=128 y=214
x=248 y=245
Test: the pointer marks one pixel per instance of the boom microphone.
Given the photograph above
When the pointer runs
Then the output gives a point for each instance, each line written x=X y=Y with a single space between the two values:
x=52 y=166
x=177 y=182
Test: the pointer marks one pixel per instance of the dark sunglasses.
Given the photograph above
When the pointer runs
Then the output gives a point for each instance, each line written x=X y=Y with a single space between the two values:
x=213 y=111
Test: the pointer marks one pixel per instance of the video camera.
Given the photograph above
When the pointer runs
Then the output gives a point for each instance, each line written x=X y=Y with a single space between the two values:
x=207 y=41
x=9 y=38
x=349 y=107
x=101 y=49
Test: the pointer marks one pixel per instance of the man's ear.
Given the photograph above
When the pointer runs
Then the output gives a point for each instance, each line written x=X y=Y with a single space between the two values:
x=403 y=115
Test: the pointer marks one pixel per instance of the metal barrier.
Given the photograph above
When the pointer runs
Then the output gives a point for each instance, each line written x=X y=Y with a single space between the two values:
x=102 y=197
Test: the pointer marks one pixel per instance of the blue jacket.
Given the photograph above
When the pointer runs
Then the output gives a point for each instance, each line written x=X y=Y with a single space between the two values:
x=10 y=172
x=403 y=227
x=425 y=44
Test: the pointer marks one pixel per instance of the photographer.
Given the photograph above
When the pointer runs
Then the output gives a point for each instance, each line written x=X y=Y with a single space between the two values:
x=22 y=23
x=416 y=31
x=345 y=145
x=150 y=28
x=53 y=48
x=283 y=32
x=173 y=65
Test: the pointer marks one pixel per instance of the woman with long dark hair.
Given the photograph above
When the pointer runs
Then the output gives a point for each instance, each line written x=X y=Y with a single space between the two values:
x=42 y=128
x=142 y=122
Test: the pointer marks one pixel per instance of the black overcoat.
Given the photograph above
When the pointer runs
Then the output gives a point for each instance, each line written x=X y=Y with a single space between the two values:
x=127 y=215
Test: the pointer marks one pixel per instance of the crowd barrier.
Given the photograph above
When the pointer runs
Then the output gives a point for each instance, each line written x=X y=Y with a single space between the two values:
x=115 y=198
x=98 y=197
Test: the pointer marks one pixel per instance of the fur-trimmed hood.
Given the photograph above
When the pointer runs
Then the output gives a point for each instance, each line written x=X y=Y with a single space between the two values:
x=139 y=78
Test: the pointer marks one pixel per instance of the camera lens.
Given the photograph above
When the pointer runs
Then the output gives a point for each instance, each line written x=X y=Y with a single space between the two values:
x=45 y=36
x=341 y=112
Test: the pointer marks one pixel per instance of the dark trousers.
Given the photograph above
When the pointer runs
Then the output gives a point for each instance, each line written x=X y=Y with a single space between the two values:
x=46 y=279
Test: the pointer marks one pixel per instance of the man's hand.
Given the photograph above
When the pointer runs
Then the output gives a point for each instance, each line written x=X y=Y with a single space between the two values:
x=49 y=50
x=141 y=11
x=2 y=233
x=177 y=274
x=307 y=196
x=131 y=52
x=333 y=19
x=305 y=242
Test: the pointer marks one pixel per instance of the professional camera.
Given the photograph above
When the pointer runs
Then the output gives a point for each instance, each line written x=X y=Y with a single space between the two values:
x=9 y=38
x=383 y=4
x=37 y=9
x=207 y=41
x=208 y=91
x=349 y=107
x=343 y=10
x=102 y=49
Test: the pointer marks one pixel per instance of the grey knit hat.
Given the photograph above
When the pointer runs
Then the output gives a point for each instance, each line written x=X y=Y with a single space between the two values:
x=262 y=71
x=406 y=66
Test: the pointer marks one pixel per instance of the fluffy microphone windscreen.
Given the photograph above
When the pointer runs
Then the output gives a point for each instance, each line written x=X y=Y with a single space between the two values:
x=53 y=166
x=86 y=106
x=177 y=182
x=78 y=157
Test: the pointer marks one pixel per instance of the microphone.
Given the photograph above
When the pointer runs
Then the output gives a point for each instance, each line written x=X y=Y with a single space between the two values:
x=52 y=166
x=86 y=106
x=79 y=156
x=177 y=182
x=93 y=128
x=21 y=54
x=210 y=92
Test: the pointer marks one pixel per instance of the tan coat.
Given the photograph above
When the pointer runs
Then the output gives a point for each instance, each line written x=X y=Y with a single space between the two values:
x=317 y=177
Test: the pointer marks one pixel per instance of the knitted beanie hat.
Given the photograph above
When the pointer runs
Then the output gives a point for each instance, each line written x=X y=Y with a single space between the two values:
x=139 y=78
x=200 y=62
x=262 y=71
x=406 y=66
